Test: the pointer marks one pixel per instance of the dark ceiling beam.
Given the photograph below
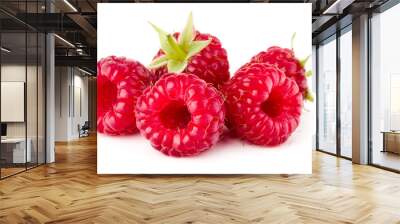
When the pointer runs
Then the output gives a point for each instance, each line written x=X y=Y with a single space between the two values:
x=89 y=70
x=80 y=20
x=331 y=29
x=383 y=6
x=329 y=15
x=11 y=25
x=48 y=22
x=86 y=26
x=338 y=6
x=336 y=15
x=52 y=22
x=321 y=22
x=91 y=5
x=81 y=61
x=10 y=15
x=65 y=51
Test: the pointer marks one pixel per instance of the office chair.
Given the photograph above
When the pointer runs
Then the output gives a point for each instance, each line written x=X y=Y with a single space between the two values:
x=84 y=130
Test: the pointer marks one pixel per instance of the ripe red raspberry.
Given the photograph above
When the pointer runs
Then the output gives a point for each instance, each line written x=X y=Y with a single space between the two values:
x=191 y=52
x=210 y=64
x=181 y=115
x=120 y=81
x=263 y=106
x=285 y=60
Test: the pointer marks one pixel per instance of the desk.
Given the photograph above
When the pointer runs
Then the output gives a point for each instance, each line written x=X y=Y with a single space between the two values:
x=391 y=141
x=15 y=148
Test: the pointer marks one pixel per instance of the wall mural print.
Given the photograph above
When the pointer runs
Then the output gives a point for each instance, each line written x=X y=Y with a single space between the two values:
x=204 y=88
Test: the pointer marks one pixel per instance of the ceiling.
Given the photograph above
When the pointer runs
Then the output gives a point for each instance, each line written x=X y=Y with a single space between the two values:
x=75 y=22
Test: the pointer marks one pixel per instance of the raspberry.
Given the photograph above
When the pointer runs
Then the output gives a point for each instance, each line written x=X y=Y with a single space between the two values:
x=120 y=82
x=210 y=64
x=263 y=106
x=191 y=52
x=285 y=60
x=181 y=115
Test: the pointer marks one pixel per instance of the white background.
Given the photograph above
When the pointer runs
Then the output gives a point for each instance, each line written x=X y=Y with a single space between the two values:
x=244 y=30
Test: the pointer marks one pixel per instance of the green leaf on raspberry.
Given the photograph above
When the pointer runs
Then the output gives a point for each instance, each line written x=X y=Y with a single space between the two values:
x=176 y=66
x=309 y=96
x=176 y=48
x=166 y=48
x=187 y=35
x=292 y=40
x=308 y=73
x=178 y=52
x=304 y=61
x=196 y=47
x=158 y=62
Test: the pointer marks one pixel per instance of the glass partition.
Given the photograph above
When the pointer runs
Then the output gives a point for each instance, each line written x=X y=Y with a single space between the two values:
x=14 y=153
x=385 y=89
x=22 y=77
x=41 y=96
x=327 y=96
x=346 y=93
x=32 y=96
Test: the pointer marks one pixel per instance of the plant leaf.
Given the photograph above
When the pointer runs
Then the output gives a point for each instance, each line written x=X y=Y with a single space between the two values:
x=304 y=61
x=175 y=47
x=309 y=96
x=165 y=47
x=308 y=73
x=187 y=34
x=160 y=31
x=158 y=62
x=196 y=47
x=176 y=66
x=292 y=40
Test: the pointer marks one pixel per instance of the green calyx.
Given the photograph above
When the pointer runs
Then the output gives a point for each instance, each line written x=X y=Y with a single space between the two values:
x=304 y=61
x=292 y=40
x=178 y=52
x=309 y=96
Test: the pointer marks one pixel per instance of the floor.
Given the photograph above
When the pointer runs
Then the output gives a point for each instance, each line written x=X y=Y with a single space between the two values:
x=10 y=171
x=70 y=191
x=387 y=159
x=5 y=172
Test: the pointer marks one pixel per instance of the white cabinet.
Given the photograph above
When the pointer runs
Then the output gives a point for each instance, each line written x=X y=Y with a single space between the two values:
x=17 y=147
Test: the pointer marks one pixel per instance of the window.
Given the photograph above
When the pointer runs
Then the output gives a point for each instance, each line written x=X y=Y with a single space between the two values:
x=346 y=92
x=327 y=96
x=385 y=89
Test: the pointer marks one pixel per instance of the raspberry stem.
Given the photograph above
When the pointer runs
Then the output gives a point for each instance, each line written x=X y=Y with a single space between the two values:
x=304 y=61
x=178 y=53
x=292 y=41
x=309 y=96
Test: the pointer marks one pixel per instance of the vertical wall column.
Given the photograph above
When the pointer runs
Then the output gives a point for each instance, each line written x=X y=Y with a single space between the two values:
x=92 y=100
x=314 y=90
x=50 y=99
x=50 y=92
x=62 y=102
x=71 y=102
x=360 y=90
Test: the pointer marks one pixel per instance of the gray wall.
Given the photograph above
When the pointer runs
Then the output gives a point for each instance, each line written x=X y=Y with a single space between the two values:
x=71 y=102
